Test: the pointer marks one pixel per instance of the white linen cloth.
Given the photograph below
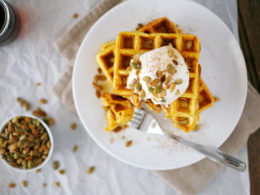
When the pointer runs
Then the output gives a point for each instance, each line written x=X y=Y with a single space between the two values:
x=31 y=59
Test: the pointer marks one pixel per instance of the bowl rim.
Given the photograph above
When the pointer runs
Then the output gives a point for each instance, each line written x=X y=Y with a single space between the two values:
x=49 y=134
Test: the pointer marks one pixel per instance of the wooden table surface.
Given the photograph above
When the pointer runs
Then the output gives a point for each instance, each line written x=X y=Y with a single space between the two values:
x=249 y=34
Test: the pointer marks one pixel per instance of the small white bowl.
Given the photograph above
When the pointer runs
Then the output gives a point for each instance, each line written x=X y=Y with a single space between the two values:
x=50 y=137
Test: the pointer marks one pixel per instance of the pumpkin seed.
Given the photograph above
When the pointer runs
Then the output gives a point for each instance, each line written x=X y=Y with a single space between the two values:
x=128 y=143
x=73 y=126
x=157 y=89
x=197 y=127
x=155 y=82
x=178 y=81
x=171 y=69
x=138 y=86
x=147 y=78
x=25 y=183
x=44 y=185
x=151 y=89
x=75 y=148
x=142 y=94
x=55 y=164
x=135 y=65
x=62 y=171
x=91 y=170
x=11 y=185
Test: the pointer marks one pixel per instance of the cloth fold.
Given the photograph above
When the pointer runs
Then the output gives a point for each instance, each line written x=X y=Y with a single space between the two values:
x=188 y=180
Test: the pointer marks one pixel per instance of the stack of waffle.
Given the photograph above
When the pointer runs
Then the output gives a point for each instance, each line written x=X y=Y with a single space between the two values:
x=115 y=56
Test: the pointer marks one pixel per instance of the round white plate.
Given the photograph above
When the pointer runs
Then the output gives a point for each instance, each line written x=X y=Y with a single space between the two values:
x=223 y=70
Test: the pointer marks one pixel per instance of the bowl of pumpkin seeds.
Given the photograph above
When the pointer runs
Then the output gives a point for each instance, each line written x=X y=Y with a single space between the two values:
x=26 y=143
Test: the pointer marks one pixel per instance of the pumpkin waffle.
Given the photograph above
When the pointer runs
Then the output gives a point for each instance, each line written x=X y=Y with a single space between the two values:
x=164 y=25
x=206 y=100
x=184 y=110
x=119 y=111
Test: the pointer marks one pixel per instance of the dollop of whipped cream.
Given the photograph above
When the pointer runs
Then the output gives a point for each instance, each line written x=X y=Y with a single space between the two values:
x=160 y=75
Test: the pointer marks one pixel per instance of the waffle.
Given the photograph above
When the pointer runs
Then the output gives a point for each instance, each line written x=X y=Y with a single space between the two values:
x=206 y=100
x=105 y=57
x=184 y=110
x=161 y=25
x=119 y=111
x=105 y=60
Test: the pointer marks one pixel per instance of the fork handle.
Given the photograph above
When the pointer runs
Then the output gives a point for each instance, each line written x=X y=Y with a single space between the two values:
x=213 y=154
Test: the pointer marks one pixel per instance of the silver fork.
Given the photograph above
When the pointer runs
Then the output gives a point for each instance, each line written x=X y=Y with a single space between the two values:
x=145 y=122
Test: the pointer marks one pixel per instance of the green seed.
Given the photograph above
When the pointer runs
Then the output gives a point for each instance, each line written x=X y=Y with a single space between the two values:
x=55 y=165
x=62 y=171
x=178 y=81
x=27 y=106
x=147 y=79
x=168 y=79
x=171 y=69
x=91 y=170
x=134 y=65
x=19 y=99
x=151 y=89
x=75 y=148
x=138 y=86
x=157 y=89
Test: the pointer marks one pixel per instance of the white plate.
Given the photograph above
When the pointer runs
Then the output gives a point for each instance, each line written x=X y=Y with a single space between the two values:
x=223 y=70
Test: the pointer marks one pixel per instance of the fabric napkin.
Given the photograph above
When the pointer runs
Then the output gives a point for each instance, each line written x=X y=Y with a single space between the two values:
x=188 y=180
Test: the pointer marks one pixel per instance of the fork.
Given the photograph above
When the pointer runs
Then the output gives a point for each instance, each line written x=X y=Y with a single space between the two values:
x=146 y=123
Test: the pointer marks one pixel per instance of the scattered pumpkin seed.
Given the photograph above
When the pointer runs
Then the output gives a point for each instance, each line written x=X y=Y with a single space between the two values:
x=73 y=126
x=147 y=78
x=197 y=127
x=38 y=170
x=171 y=69
x=57 y=184
x=128 y=143
x=75 y=148
x=178 y=92
x=11 y=185
x=55 y=164
x=75 y=15
x=44 y=185
x=43 y=101
x=217 y=99
x=91 y=170
x=62 y=171
x=25 y=183
x=18 y=99
x=38 y=84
